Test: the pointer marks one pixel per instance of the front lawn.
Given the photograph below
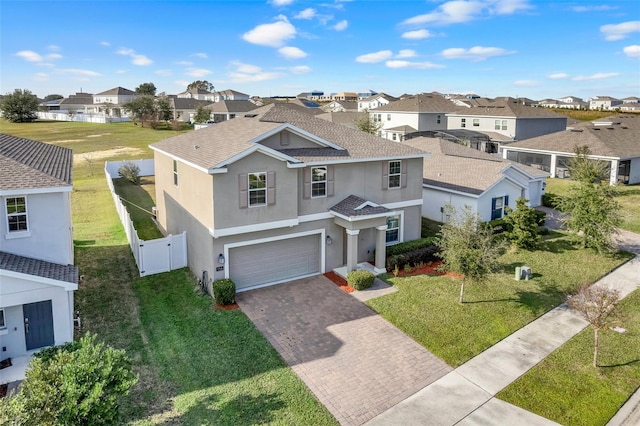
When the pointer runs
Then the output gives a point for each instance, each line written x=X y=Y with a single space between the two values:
x=139 y=200
x=426 y=308
x=565 y=387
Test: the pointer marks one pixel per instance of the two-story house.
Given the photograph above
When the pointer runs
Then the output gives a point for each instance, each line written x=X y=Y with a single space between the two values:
x=419 y=113
x=279 y=194
x=37 y=275
x=604 y=103
x=110 y=101
x=375 y=101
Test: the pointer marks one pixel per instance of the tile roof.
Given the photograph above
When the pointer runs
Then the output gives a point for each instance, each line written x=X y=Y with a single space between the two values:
x=217 y=144
x=424 y=102
x=116 y=91
x=354 y=206
x=620 y=140
x=457 y=167
x=25 y=164
x=39 y=268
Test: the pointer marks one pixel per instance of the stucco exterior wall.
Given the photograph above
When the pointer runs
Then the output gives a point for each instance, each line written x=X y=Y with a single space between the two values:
x=503 y=188
x=434 y=201
x=634 y=174
x=531 y=127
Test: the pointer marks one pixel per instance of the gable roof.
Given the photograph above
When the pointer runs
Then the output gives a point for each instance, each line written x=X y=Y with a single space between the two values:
x=505 y=107
x=354 y=208
x=232 y=106
x=424 y=102
x=116 y=91
x=216 y=146
x=26 y=164
x=39 y=268
x=187 y=103
x=616 y=136
x=459 y=168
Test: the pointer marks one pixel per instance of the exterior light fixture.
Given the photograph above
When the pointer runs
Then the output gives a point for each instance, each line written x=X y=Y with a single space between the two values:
x=221 y=259
x=328 y=240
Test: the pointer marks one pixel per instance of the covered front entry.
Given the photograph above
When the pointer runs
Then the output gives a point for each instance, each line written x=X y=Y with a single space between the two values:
x=258 y=263
x=38 y=324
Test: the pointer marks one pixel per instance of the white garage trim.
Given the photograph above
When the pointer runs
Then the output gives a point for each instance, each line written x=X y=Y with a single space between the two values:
x=320 y=232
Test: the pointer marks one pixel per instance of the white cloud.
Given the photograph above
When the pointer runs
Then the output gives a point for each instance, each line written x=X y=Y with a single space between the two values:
x=197 y=72
x=53 y=47
x=182 y=83
x=291 y=52
x=302 y=69
x=406 y=53
x=613 y=32
x=54 y=56
x=200 y=55
x=408 y=64
x=526 y=83
x=185 y=63
x=558 y=76
x=458 y=11
x=370 y=58
x=272 y=35
x=308 y=13
x=632 y=51
x=164 y=73
x=30 y=56
x=597 y=76
x=476 y=53
x=246 y=68
x=105 y=43
x=122 y=71
x=247 y=73
x=136 y=59
x=341 y=26
x=594 y=8
x=76 y=71
x=417 y=34
x=281 y=2
x=41 y=76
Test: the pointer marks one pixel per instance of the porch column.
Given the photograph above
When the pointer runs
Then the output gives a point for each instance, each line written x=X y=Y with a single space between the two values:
x=352 y=249
x=553 y=165
x=381 y=249
x=613 y=177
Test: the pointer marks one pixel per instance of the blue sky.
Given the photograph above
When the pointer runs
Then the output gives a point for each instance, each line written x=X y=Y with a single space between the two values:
x=537 y=49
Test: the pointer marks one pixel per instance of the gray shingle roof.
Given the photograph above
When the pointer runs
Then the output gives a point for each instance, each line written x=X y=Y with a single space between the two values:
x=508 y=107
x=349 y=207
x=457 y=167
x=26 y=163
x=615 y=140
x=217 y=144
x=187 y=103
x=116 y=91
x=38 y=268
x=232 y=106
x=424 y=102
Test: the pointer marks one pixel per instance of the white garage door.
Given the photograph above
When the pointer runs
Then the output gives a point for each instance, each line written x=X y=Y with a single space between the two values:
x=274 y=261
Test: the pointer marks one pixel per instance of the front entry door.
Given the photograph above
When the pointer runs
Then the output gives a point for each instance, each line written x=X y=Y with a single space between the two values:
x=38 y=324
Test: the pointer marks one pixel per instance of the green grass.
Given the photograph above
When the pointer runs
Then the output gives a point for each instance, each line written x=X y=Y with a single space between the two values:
x=426 y=308
x=196 y=365
x=629 y=199
x=139 y=199
x=567 y=389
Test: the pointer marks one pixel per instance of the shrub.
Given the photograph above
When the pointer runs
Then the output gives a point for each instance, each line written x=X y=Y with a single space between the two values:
x=360 y=280
x=130 y=171
x=541 y=217
x=410 y=246
x=550 y=200
x=421 y=255
x=224 y=291
x=498 y=226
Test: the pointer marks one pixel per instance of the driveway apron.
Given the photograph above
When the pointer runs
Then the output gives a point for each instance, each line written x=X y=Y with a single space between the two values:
x=355 y=362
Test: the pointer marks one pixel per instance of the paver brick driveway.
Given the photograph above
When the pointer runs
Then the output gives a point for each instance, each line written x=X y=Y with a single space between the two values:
x=356 y=362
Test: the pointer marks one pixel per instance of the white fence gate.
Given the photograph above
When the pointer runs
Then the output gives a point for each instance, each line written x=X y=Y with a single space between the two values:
x=153 y=256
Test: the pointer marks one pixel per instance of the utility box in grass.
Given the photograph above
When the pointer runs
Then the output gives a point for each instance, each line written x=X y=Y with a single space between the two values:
x=518 y=273
x=525 y=272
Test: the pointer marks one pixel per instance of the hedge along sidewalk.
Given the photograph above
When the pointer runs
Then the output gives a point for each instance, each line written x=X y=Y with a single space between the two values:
x=468 y=391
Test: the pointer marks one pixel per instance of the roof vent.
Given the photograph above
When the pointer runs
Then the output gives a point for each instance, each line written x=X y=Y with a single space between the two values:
x=250 y=115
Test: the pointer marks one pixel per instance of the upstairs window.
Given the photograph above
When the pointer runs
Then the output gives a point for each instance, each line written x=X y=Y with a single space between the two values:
x=17 y=214
x=395 y=172
x=463 y=122
x=438 y=119
x=388 y=117
x=318 y=182
x=257 y=189
x=497 y=126
x=504 y=124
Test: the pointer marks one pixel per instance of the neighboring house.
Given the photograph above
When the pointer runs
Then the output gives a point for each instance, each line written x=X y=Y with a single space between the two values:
x=115 y=96
x=37 y=275
x=509 y=118
x=195 y=93
x=227 y=95
x=457 y=175
x=279 y=194
x=345 y=96
x=423 y=112
x=631 y=103
x=604 y=103
x=614 y=140
x=348 y=119
x=185 y=108
x=226 y=110
x=340 y=106
x=375 y=101
x=79 y=103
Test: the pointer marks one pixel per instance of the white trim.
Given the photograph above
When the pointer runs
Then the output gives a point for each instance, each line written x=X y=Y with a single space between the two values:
x=403 y=204
x=368 y=159
x=399 y=213
x=320 y=232
x=261 y=148
x=362 y=217
x=378 y=271
x=17 y=233
x=30 y=191
x=508 y=148
x=182 y=160
x=389 y=174
x=299 y=132
x=315 y=216
x=249 y=190
x=35 y=278
x=325 y=181
x=352 y=231
x=256 y=227
x=382 y=227
x=367 y=204
x=452 y=191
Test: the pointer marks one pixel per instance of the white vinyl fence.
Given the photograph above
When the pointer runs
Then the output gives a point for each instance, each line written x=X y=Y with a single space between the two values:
x=80 y=117
x=153 y=256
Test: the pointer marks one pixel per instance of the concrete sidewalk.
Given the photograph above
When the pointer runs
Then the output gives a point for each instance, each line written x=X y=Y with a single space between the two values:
x=465 y=396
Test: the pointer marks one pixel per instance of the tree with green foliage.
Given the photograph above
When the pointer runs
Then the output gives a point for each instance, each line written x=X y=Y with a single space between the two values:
x=523 y=225
x=163 y=108
x=596 y=304
x=367 y=123
x=80 y=383
x=201 y=84
x=146 y=89
x=141 y=108
x=202 y=114
x=593 y=213
x=468 y=247
x=19 y=106
x=53 y=97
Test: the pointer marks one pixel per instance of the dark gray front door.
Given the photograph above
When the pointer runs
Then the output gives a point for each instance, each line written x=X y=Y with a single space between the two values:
x=38 y=324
